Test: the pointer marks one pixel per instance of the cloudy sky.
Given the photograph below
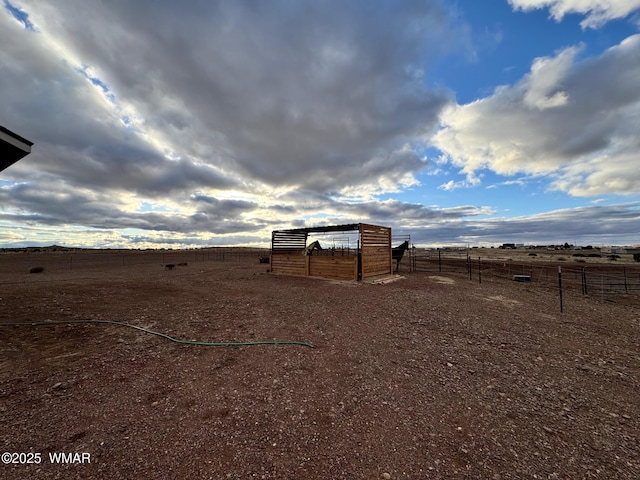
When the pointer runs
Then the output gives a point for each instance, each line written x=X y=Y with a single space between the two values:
x=185 y=124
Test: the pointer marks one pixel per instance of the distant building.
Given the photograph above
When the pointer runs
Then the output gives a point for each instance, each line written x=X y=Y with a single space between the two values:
x=13 y=147
x=508 y=246
x=613 y=249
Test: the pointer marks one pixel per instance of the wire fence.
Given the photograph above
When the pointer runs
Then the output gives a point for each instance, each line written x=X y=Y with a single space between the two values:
x=69 y=259
x=599 y=280
x=602 y=281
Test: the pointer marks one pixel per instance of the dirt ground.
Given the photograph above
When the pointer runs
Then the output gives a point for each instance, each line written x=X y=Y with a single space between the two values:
x=430 y=376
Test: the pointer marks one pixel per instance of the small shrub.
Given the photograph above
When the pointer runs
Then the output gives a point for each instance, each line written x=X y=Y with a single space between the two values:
x=561 y=259
x=36 y=270
x=636 y=257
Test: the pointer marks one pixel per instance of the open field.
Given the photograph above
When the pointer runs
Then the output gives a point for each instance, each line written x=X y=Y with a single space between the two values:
x=534 y=259
x=430 y=376
x=551 y=256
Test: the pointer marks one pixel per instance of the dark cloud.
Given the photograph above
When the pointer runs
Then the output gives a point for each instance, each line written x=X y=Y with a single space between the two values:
x=57 y=205
x=597 y=225
x=316 y=94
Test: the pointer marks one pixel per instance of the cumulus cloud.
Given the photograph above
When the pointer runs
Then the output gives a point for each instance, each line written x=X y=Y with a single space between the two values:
x=54 y=204
x=568 y=119
x=597 y=12
x=190 y=107
x=319 y=95
x=156 y=122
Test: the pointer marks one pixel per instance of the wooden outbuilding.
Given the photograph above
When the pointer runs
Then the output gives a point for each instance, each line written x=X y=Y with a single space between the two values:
x=370 y=257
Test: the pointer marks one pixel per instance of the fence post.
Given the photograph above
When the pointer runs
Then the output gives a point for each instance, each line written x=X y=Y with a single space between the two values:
x=560 y=286
x=479 y=271
x=439 y=261
x=624 y=269
x=413 y=258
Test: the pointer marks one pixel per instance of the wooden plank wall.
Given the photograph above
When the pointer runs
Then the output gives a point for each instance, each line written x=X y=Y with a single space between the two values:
x=289 y=264
x=376 y=250
x=337 y=268
x=287 y=253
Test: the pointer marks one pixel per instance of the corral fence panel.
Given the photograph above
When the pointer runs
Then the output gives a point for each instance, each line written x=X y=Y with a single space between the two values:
x=439 y=261
x=597 y=280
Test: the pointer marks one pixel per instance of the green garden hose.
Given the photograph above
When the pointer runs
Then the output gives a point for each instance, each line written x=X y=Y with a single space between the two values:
x=163 y=335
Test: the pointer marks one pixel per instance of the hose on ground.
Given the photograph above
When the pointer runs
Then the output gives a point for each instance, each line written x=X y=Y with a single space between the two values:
x=163 y=335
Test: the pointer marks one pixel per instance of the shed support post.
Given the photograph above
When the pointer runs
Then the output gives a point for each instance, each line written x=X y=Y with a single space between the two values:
x=390 y=256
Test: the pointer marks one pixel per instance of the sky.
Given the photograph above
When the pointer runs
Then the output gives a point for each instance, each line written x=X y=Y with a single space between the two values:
x=209 y=123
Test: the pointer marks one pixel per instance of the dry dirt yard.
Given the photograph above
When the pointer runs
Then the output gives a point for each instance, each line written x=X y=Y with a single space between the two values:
x=427 y=377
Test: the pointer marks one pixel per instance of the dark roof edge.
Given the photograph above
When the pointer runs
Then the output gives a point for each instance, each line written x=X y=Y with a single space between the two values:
x=15 y=135
x=330 y=228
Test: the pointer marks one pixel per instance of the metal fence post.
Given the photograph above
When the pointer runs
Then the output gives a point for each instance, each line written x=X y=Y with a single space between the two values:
x=560 y=286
